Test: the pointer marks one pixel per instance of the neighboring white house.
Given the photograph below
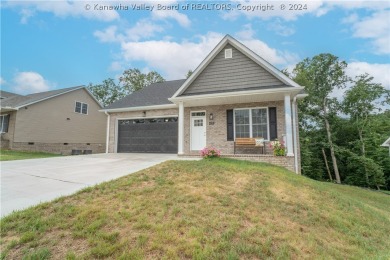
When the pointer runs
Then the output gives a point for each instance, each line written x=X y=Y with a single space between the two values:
x=387 y=144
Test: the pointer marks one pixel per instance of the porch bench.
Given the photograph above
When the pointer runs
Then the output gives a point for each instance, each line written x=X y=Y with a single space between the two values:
x=247 y=142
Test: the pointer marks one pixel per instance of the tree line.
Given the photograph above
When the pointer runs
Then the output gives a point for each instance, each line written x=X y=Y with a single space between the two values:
x=340 y=136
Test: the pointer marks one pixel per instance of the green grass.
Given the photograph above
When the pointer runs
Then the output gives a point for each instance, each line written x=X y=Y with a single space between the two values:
x=208 y=209
x=8 y=155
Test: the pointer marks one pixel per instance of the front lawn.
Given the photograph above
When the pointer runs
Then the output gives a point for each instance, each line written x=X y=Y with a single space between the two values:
x=208 y=209
x=8 y=155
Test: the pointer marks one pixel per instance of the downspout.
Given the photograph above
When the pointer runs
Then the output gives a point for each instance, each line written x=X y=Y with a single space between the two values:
x=108 y=130
x=294 y=112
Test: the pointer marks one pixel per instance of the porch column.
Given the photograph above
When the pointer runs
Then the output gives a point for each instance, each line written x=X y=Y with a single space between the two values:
x=181 y=128
x=287 y=114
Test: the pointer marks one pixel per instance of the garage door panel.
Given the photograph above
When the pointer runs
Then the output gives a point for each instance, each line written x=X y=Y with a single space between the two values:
x=153 y=136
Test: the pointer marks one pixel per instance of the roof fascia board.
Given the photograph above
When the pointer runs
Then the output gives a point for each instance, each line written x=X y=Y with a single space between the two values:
x=234 y=94
x=126 y=109
x=94 y=98
x=43 y=99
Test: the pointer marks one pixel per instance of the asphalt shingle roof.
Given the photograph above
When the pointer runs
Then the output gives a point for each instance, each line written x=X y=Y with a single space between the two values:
x=154 y=94
x=6 y=94
x=19 y=100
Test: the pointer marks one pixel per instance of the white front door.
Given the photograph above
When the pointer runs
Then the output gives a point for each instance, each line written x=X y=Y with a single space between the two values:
x=198 y=132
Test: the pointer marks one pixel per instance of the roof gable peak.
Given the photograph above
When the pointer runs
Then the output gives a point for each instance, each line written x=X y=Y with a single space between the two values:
x=243 y=49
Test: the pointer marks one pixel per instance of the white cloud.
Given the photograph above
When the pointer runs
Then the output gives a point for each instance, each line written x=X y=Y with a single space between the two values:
x=180 y=18
x=64 y=9
x=107 y=35
x=143 y=29
x=275 y=57
x=116 y=66
x=26 y=14
x=279 y=28
x=2 y=81
x=174 y=59
x=353 y=18
x=30 y=82
x=247 y=33
x=376 y=28
x=380 y=72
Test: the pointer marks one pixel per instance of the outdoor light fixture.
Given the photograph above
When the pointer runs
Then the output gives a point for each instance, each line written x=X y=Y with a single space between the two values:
x=211 y=117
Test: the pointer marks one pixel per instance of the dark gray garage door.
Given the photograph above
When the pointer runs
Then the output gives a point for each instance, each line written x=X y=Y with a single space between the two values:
x=156 y=135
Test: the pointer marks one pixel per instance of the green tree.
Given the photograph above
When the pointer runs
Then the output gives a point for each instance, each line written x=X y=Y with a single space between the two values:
x=321 y=75
x=133 y=80
x=189 y=73
x=360 y=102
x=107 y=92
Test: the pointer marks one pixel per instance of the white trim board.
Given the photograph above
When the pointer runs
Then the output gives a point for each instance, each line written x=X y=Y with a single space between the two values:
x=127 y=109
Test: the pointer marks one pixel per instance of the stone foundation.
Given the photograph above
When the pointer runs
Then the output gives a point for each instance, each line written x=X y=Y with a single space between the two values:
x=283 y=161
x=4 y=144
x=59 y=148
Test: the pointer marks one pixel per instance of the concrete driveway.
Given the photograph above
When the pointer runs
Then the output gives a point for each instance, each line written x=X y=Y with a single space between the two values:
x=26 y=183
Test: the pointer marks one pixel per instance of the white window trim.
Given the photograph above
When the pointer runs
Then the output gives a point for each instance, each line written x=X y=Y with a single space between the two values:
x=81 y=111
x=1 y=129
x=250 y=121
x=228 y=53
x=205 y=124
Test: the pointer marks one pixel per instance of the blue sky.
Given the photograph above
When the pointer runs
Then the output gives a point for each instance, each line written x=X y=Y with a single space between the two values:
x=57 y=44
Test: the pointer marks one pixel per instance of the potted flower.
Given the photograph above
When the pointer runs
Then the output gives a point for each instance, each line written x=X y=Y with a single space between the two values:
x=210 y=153
x=278 y=147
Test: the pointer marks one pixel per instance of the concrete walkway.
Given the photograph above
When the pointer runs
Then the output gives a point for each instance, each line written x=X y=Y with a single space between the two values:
x=26 y=183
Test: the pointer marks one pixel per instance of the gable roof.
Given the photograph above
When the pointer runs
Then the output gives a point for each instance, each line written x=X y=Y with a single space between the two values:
x=18 y=101
x=155 y=94
x=246 y=51
x=386 y=143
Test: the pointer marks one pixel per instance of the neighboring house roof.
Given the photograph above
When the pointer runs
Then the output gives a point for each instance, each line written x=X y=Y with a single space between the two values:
x=386 y=143
x=6 y=94
x=156 y=94
x=17 y=101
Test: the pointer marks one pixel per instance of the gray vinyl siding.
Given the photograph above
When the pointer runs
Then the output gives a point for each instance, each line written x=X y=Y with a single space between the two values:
x=236 y=73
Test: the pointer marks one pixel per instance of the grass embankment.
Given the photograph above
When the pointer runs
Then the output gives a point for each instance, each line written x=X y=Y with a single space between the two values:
x=209 y=209
x=8 y=155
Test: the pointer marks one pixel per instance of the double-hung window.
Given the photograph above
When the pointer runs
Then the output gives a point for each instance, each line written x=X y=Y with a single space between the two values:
x=4 y=122
x=81 y=108
x=251 y=122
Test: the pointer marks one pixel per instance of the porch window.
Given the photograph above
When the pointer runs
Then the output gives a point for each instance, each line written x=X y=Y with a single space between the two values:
x=252 y=122
x=4 y=122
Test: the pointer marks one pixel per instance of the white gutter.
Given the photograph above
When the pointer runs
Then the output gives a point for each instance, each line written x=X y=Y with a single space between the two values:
x=107 y=131
x=294 y=112
x=143 y=108
x=235 y=94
